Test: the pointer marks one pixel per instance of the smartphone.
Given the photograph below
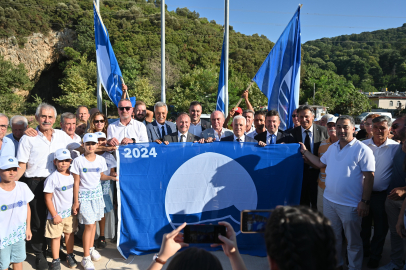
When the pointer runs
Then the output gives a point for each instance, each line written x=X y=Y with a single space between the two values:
x=254 y=221
x=203 y=234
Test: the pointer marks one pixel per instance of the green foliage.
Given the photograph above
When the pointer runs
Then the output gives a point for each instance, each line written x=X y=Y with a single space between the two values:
x=142 y=90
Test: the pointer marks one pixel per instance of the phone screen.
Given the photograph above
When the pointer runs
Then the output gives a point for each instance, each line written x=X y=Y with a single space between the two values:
x=203 y=234
x=254 y=221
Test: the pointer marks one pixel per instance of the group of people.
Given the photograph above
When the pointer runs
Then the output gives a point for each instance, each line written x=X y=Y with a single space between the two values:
x=54 y=181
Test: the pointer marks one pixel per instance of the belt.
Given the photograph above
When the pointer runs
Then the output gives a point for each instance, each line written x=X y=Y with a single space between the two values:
x=379 y=192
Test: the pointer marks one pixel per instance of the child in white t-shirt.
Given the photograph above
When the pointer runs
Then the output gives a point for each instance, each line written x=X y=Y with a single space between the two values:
x=88 y=201
x=58 y=192
x=15 y=215
x=108 y=201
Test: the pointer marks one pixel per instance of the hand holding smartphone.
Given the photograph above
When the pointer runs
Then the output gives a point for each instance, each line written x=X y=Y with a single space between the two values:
x=203 y=234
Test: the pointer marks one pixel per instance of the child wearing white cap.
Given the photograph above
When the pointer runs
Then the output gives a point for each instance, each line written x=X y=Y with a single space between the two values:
x=87 y=172
x=15 y=215
x=58 y=192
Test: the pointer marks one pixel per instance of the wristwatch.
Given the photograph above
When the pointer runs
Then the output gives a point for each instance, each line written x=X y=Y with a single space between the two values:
x=133 y=140
x=365 y=201
x=158 y=260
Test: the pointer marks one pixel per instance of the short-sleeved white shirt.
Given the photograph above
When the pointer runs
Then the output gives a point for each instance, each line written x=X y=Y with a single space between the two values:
x=384 y=155
x=89 y=171
x=344 y=180
x=13 y=213
x=134 y=130
x=111 y=163
x=62 y=188
x=76 y=138
x=38 y=152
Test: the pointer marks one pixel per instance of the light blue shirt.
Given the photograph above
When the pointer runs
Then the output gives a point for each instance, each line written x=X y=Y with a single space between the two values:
x=11 y=137
x=7 y=148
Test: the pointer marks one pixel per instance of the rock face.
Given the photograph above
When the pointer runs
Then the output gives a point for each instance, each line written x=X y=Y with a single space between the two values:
x=39 y=52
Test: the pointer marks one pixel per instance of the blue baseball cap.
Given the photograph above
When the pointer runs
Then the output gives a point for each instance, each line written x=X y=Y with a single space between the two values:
x=7 y=162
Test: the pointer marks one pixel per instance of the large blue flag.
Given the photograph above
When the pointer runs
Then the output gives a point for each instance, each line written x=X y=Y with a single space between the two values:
x=279 y=76
x=162 y=186
x=221 y=94
x=107 y=65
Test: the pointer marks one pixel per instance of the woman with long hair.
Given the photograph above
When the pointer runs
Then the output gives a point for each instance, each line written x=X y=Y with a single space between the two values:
x=98 y=123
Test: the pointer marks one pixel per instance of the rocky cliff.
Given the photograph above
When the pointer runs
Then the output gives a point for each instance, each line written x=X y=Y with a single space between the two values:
x=39 y=52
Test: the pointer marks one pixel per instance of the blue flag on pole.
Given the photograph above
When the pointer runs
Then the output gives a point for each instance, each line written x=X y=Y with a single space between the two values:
x=221 y=95
x=279 y=76
x=107 y=65
x=205 y=183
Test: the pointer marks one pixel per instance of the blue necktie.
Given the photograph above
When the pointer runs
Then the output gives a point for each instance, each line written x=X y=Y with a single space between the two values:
x=273 y=139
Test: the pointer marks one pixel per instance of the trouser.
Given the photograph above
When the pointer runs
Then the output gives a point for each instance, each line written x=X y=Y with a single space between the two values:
x=345 y=217
x=320 y=193
x=308 y=195
x=377 y=213
x=392 y=210
x=38 y=214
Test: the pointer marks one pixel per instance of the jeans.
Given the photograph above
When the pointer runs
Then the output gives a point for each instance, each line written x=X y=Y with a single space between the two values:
x=345 y=217
x=392 y=210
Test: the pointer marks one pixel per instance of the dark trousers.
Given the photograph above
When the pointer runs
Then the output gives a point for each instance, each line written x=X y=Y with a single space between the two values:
x=38 y=214
x=308 y=195
x=377 y=214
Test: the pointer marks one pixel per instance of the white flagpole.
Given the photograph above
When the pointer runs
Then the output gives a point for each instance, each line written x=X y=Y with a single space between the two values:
x=99 y=90
x=163 y=97
x=226 y=25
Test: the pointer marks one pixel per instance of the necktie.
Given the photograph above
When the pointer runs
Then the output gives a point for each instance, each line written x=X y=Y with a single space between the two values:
x=163 y=132
x=272 y=141
x=238 y=140
x=182 y=138
x=307 y=141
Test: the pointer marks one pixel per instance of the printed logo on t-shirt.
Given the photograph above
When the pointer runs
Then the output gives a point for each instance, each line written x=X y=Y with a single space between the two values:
x=11 y=206
x=3 y=207
x=20 y=203
x=85 y=170
x=63 y=188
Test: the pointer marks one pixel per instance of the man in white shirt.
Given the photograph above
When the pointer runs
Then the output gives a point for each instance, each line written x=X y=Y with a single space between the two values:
x=126 y=130
x=18 y=124
x=6 y=144
x=384 y=150
x=249 y=116
x=350 y=167
x=197 y=125
x=182 y=135
x=68 y=124
x=35 y=157
x=239 y=127
x=216 y=132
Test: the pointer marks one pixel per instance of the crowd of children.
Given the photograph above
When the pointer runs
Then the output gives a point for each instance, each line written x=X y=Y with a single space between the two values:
x=77 y=192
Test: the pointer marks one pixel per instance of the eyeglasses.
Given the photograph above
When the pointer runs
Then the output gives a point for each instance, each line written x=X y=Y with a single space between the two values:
x=294 y=115
x=395 y=126
x=3 y=126
x=98 y=121
x=126 y=108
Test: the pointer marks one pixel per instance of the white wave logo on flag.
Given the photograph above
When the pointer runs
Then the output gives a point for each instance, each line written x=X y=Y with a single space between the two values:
x=218 y=182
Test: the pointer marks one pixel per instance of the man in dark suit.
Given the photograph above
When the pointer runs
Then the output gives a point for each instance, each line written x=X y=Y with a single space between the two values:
x=182 y=135
x=197 y=125
x=160 y=127
x=311 y=135
x=239 y=127
x=273 y=135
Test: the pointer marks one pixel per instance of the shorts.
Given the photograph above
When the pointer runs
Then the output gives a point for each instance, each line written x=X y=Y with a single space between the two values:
x=108 y=203
x=14 y=253
x=91 y=211
x=68 y=225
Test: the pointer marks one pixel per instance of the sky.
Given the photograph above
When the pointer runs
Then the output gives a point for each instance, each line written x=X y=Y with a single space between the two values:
x=318 y=18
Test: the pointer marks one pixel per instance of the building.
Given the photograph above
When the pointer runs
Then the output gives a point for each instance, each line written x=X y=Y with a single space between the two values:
x=387 y=100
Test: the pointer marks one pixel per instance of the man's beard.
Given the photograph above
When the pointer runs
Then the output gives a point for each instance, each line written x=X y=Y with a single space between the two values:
x=136 y=117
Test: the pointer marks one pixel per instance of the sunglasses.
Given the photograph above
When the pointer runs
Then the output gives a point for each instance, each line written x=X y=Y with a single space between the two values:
x=294 y=115
x=98 y=121
x=126 y=108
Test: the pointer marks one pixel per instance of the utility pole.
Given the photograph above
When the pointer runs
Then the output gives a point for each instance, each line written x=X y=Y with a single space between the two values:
x=99 y=90
x=227 y=27
x=163 y=97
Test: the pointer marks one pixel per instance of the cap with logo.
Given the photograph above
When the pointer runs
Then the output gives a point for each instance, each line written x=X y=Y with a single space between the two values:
x=238 y=111
x=62 y=154
x=7 y=162
x=90 y=137
x=100 y=135
x=332 y=119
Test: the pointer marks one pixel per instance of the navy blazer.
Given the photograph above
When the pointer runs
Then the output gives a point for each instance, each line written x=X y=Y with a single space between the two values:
x=173 y=137
x=319 y=134
x=155 y=134
x=282 y=137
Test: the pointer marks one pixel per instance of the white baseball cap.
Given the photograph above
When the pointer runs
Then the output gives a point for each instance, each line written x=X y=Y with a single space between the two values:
x=100 y=135
x=90 y=137
x=62 y=154
x=7 y=162
x=332 y=119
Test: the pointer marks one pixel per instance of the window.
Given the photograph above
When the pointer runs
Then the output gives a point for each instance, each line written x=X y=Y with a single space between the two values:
x=399 y=104
x=390 y=103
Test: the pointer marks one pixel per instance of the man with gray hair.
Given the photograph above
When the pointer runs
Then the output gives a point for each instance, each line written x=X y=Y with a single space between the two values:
x=35 y=156
x=239 y=128
x=6 y=144
x=216 y=132
x=18 y=124
x=160 y=127
x=249 y=117
x=384 y=150
x=324 y=118
x=68 y=124
x=350 y=167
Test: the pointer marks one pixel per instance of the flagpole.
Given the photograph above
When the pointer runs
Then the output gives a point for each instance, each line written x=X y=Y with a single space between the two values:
x=163 y=97
x=99 y=90
x=226 y=26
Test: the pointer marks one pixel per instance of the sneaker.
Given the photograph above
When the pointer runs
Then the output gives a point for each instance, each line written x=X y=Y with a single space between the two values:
x=390 y=266
x=95 y=255
x=70 y=259
x=101 y=242
x=41 y=262
x=87 y=264
x=55 y=265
